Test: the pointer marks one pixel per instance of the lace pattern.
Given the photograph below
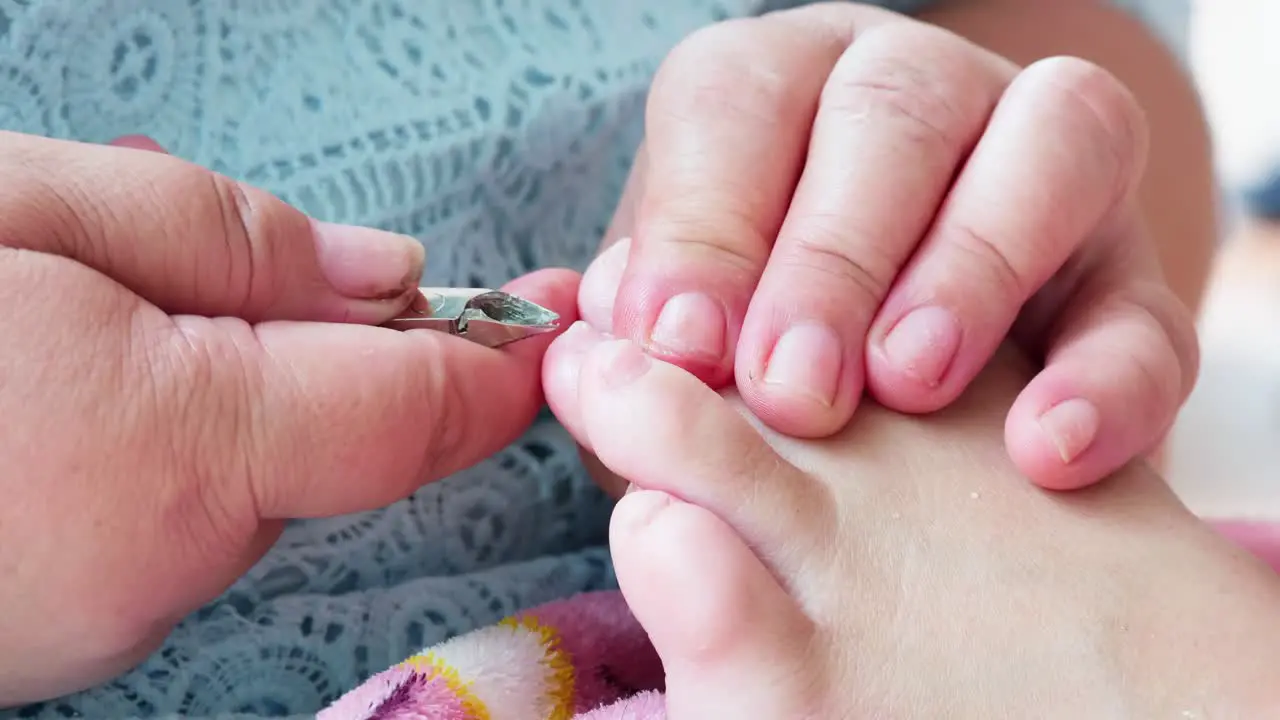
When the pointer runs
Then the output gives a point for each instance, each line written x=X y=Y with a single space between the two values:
x=499 y=132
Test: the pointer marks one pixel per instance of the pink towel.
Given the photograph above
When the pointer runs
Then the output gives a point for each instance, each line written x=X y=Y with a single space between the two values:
x=585 y=658
x=1262 y=538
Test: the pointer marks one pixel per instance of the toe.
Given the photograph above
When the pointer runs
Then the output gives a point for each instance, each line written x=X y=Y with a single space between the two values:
x=662 y=429
x=732 y=641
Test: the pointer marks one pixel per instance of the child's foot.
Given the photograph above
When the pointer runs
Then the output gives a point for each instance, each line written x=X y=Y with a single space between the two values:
x=902 y=569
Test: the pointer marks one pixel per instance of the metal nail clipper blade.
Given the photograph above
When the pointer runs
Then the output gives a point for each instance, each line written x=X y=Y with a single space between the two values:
x=491 y=318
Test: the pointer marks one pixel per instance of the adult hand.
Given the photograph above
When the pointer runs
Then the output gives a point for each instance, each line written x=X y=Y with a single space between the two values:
x=186 y=363
x=837 y=198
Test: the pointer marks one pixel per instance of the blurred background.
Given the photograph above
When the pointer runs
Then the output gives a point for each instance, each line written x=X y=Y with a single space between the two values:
x=1224 y=453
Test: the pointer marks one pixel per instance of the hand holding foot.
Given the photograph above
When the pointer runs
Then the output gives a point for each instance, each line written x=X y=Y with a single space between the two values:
x=901 y=568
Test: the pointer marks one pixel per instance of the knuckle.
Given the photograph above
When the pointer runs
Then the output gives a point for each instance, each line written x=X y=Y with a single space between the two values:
x=727 y=239
x=819 y=249
x=1101 y=103
x=454 y=430
x=67 y=210
x=838 y=18
x=1177 y=329
x=66 y=215
x=207 y=380
x=1123 y=329
x=880 y=77
x=453 y=427
x=194 y=383
x=718 y=74
x=987 y=258
x=242 y=230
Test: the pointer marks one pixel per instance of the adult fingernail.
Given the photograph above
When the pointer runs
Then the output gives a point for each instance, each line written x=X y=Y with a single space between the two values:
x=368 y=264
x=599 y=288
x=806 y=361
x=924 y=343
x=691 y=325
x=1072 y=426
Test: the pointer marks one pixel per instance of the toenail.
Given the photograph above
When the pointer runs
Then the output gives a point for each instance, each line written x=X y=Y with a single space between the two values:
x=624 y=363
x=642 y=507
x=577 y=334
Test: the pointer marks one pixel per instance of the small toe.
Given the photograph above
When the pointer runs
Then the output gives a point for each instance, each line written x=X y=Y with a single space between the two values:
x=733 y=643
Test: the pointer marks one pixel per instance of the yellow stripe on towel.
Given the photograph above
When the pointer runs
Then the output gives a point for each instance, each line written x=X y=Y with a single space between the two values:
x=435 y=667
x=560 y=678
x=515 y=670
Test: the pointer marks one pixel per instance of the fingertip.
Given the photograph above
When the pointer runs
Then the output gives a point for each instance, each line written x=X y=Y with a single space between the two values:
x=397 y=409
x=713 y=375
x=793 y=414
x=894 y=382
x=1054 y=437
x=1032 y=453
x=691 y=323
x=1036 y=458
x=905 y=394
x=138 y=142
x=800 y=379
x=373 y=274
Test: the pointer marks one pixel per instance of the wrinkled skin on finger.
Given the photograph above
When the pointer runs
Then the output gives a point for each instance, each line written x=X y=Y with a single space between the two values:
x=863 y=205
x=160 y=430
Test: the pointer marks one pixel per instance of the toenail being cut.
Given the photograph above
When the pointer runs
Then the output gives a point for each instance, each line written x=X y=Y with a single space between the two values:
x=487 y=317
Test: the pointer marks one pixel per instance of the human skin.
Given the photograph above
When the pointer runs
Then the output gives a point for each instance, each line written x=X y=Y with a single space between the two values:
x=902 y=568
x=168 y=406
x=1177 y=194
x=693 y=227
x=1142 y=555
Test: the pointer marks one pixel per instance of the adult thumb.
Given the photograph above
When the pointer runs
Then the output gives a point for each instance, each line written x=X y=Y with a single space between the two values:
x=191 y=241
x=335 y=419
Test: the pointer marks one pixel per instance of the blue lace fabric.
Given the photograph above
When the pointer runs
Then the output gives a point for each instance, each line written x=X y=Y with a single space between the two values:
x=499 y=132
